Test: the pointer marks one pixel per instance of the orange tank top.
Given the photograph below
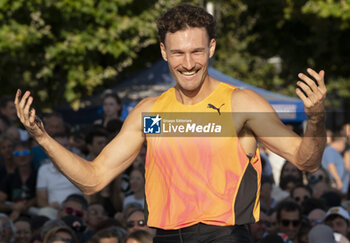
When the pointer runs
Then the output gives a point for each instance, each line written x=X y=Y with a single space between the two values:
x=200 y=179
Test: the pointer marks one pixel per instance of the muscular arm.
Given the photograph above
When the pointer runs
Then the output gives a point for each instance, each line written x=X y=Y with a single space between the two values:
x=89 y=177
x=261 y=119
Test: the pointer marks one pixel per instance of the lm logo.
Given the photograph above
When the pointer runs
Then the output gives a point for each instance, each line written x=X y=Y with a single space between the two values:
x=151 y=124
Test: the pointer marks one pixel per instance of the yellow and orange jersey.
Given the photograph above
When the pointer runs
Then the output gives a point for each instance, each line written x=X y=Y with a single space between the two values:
x=200 y=179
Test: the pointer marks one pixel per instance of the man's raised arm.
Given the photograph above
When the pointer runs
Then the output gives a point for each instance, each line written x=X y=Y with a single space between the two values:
x=89 y=177
x=306 y=152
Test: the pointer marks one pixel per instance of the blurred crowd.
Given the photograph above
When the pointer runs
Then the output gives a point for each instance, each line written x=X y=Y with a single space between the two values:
x=38 y=204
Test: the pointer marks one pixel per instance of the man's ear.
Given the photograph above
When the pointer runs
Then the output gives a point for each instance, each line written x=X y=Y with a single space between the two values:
x=212 y=46
x=163 y=51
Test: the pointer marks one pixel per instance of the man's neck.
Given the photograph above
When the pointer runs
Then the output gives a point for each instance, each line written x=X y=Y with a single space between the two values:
x=195 y=96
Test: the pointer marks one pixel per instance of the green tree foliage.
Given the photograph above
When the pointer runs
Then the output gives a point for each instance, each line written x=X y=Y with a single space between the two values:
x=302 y=33
x=64 y=49
x=67 y=49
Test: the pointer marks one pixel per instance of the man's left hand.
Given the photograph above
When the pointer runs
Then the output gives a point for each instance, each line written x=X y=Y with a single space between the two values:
x=313 y=93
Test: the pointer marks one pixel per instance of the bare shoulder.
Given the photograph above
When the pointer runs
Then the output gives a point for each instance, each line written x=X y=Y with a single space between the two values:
x=145 y=105
x=246 y=100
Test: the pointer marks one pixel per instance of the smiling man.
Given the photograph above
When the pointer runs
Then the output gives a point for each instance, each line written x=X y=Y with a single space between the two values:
x=198 y=188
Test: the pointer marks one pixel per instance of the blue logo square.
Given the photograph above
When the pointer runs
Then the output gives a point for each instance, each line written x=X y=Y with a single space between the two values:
x=152 y=124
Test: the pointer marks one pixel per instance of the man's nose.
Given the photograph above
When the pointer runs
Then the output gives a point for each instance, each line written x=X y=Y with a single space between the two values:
x=188 y=62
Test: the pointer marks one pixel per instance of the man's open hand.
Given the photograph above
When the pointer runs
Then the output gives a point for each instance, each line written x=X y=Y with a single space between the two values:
x=27 y=115
x=313 y=93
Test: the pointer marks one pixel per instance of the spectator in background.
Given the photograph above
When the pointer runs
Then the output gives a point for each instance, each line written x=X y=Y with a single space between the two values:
x=313 y=203
x=54 y=123
x=17 y=190
x=76 y=224
x=111 y=197
x=258 y=229
x=333 y=162
x=49 y=225
x=6 y=151
x=122 y=217
x=52 y=186
x=289 y=218
x=74 y=204
x=23 y=230
x=137 y=184
x=288 y=169
x=288 y=183
x=305 y=227
x=319 y=175
x=9 y=113
x=267 y=202
x=96 y=140
x=271 y=222
x=316 y=216
x=136 y=221
x=13 y=132
x=36 y=224
x=320 y=188
x=139 y=236
x=338 y=219
x=300 y=193
x=93 y=217
x=321 y=233
x=112 y=234
x=112 y=108
x=8 y=109
x=8 y=229
x=61 y=234
x=77 y=140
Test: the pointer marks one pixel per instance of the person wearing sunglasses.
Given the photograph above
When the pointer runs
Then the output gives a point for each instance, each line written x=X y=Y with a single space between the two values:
x=136 y=221
x=289 y=218
x=74 y=204
x=300 y=193
x=17 y=190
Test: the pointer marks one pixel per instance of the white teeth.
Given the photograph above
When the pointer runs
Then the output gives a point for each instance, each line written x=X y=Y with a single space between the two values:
x=188 y=73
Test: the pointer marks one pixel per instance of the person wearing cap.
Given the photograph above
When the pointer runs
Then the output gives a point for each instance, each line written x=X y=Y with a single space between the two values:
x=338 y=219
x=321 y=234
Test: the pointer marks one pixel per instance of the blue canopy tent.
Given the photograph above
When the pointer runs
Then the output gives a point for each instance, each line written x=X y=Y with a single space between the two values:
x=154 y=80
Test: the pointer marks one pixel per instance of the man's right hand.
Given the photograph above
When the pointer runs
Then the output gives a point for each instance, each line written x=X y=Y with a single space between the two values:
x=27 y=115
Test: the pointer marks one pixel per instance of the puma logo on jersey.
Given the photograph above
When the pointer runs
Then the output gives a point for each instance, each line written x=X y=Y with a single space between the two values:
x=215 y=108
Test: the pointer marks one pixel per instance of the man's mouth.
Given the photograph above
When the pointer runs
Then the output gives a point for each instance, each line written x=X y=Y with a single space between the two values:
x=189 y=74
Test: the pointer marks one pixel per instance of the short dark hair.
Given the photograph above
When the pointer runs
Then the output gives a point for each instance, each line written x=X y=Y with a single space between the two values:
x=111 y=232
x=140 y=236
x=183 y=16
x=300 y=185
x=95 y=131
x=289 y=206
x=287 y=179
x=76 y=198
